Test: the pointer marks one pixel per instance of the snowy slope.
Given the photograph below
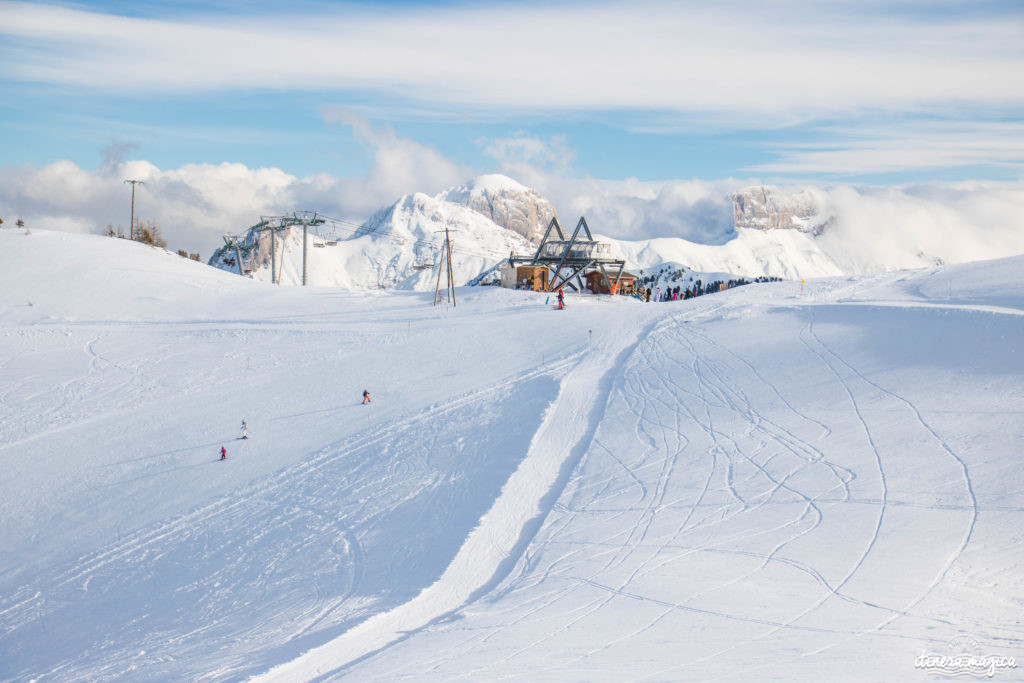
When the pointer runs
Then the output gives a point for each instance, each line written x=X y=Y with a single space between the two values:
x=398 y=248
x=763 y=484
x=786 y=254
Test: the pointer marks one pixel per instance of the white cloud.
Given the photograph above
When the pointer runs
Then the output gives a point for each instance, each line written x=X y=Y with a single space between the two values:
x=530 y=160
x=522 y=148
x=193 y=205
x=770 y=59
x=196 y=204
x=630 y=209
x=400 y=165
x=697 y=210
x=900 y=227
x=875 y=226
x=904 y=146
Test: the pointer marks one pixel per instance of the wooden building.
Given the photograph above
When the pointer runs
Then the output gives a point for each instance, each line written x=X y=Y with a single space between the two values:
x=597 y=283
x=532 y=277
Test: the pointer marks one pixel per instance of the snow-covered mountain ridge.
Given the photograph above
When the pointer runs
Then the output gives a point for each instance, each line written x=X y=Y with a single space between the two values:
x=793 y=234
x=399 y=247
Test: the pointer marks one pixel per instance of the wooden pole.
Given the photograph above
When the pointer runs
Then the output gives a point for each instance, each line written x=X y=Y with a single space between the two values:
x=437 y=286
x=446 y=255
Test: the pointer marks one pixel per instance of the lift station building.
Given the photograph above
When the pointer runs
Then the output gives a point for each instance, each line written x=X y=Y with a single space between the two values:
x=562 y=261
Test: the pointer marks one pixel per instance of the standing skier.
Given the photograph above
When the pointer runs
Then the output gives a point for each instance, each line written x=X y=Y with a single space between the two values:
x=561 y=299
x=366 y=397
x=223 y=453
x=245 y=430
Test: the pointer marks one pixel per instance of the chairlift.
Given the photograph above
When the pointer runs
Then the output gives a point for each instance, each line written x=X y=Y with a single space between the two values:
x=422 y=266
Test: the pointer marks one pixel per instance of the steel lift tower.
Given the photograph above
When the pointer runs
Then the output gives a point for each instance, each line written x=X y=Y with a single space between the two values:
x=275 y=224
x=568 y=259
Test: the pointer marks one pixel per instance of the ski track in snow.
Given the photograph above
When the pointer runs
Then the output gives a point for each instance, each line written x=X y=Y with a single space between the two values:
x=835 y=363
x=493 y=544
x=751 y=465
x=726 y=488
x=270 y=507
x=945 y=447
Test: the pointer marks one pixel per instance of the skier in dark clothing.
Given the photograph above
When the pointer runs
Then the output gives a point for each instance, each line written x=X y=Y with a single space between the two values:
x=366 y=397
x=561 y=299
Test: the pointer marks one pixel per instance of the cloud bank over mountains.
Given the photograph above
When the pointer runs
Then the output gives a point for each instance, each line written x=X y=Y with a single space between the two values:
x=196 y=204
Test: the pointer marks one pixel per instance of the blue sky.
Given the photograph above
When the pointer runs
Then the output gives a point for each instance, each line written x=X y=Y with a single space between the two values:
x=818 y=91
x=578 y=99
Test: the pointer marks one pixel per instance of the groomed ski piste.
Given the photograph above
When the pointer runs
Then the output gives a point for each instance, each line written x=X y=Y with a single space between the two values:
x=771 y=483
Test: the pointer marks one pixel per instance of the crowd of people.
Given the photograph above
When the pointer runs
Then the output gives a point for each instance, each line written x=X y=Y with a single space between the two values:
x=649 y=287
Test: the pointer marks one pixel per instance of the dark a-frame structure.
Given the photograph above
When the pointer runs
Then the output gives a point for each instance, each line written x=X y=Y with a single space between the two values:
x=569 y=259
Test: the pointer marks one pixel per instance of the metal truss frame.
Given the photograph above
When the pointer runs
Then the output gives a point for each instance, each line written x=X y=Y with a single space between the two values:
x=574 y=255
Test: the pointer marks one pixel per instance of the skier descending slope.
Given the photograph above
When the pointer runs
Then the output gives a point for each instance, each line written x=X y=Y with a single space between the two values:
x=223 y=453
x=366 y=397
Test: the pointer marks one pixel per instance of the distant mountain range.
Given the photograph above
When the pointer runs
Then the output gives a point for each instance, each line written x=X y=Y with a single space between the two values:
x=777 y=234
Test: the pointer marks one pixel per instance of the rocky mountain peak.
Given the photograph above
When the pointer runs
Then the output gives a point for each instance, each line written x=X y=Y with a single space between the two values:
x=769 y=208
x=506 y=203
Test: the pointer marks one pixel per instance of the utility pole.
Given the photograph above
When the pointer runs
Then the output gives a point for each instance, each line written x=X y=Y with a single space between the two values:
x=446 y=256
x=131 y=228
